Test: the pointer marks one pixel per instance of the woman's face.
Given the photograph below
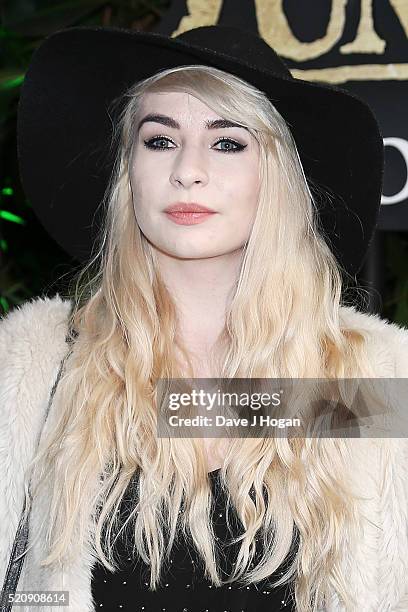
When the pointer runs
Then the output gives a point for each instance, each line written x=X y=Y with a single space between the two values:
x=177 y=159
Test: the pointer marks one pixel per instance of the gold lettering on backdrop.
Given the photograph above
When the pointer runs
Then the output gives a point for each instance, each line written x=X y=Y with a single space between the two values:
x=200 y=14
x=367 y=39
x=275 y=30
x=362 y=72
x=401 y=9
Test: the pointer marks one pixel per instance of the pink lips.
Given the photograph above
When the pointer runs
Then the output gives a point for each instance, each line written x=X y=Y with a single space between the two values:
x=187 y=207
x=184 y=213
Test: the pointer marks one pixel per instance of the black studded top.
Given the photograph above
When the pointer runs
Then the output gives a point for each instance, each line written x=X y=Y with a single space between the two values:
x=183 y=587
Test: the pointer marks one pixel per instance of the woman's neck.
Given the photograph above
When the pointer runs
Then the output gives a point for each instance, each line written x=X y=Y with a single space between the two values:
x=202 y=290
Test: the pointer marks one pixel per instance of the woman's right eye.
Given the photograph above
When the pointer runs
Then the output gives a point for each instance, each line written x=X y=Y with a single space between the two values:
x=149 y=143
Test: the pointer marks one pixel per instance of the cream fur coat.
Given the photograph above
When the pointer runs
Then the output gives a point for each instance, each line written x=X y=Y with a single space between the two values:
x=32 y=344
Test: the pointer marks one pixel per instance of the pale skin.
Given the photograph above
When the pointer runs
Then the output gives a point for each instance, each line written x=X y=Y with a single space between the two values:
x=198 y=263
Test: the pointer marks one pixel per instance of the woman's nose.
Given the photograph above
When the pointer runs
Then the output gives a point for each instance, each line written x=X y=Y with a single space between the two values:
x=190 y=167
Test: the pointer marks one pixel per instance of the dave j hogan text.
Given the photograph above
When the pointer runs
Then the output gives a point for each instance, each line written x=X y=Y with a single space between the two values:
x=257 y=420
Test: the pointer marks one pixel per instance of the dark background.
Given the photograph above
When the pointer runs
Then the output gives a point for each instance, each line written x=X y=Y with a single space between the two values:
x=31 y=263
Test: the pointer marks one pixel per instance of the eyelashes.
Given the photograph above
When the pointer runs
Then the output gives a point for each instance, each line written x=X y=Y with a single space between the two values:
x=238 y=147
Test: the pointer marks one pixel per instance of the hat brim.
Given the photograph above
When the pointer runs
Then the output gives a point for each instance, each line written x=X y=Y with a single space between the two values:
x=64 y=132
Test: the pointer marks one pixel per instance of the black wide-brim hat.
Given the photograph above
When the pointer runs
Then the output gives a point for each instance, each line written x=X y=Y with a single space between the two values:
x=65 y=115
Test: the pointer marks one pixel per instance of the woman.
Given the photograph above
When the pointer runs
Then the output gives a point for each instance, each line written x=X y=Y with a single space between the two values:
x=251 y=290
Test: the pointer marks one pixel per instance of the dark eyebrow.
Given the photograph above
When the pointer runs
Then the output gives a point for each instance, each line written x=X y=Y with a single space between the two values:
x=210 y=124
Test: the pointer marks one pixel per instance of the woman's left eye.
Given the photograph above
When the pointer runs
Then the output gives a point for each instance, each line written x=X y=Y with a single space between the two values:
x=229 y=142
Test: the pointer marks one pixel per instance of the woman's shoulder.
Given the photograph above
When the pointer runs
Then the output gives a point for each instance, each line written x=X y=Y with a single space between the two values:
x=32 y=341
x=37 y=319
x=387 y=342
x=38 y=312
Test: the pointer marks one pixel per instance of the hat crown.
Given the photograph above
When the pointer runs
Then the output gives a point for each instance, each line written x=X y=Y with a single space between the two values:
x=240 y=44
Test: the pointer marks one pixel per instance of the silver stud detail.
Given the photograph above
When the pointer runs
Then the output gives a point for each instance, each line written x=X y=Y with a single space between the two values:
x=124 y=582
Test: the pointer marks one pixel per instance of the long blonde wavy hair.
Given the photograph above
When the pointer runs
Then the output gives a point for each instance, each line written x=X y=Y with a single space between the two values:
x=283 y=321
